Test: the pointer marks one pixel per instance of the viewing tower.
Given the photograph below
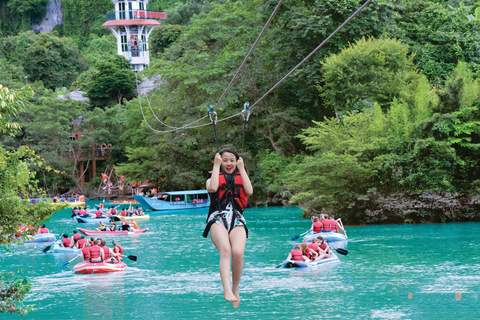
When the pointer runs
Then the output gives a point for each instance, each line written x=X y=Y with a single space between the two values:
x=132 y=24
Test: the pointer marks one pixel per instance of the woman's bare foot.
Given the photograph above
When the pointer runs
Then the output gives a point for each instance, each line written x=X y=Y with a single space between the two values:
x=229 y=296
x=235 y=304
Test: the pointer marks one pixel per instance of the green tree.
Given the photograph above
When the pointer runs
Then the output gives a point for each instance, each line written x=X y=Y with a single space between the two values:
x=371 y=70
x=44 y=57
x=16 y=184
x=111 y=81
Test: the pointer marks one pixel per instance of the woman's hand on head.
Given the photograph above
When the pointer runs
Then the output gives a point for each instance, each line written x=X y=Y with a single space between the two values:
x=240 y=164
x=217 y=161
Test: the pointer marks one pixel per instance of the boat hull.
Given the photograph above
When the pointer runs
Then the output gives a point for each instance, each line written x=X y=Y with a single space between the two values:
x=99 y=267
x=58 y=248
x=327 y=236
x=129 y=218
x=93 y=220
x=312 y=264
x=187 y=200
x=113 y=233
x=41 y=237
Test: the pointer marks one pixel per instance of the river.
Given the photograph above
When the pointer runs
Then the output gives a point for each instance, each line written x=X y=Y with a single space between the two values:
x=428 y=271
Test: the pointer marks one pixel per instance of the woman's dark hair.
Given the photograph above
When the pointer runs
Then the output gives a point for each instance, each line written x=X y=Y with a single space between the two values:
x=221 y=152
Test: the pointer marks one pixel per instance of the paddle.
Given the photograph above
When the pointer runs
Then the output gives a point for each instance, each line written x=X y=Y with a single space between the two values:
x=133 y=258
x=63 y=266
x=341 y=251
x=298 y=236
x=47 y=248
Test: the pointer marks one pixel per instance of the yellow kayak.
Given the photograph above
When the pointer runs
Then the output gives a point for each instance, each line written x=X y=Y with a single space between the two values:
x=75 y=203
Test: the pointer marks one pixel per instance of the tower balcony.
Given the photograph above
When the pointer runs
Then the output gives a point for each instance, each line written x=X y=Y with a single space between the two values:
x=135 y=14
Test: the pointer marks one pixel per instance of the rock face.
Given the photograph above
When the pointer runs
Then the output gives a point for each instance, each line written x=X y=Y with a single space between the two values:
x=148 y=84
x=421 y=207
x=74 y=95
x=53 y=18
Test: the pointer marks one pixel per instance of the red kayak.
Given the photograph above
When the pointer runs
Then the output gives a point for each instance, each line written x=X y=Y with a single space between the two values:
x=119 y=232
x=98 y=267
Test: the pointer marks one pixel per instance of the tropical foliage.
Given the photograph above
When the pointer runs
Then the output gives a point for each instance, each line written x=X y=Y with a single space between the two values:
x=387 y=106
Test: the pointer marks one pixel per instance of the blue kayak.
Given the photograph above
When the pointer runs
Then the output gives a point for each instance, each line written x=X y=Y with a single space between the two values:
x=93 y=220
x=311 y=264
x=41 y=237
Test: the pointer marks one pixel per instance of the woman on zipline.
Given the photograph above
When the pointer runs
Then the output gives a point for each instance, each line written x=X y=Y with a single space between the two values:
x=229 y=188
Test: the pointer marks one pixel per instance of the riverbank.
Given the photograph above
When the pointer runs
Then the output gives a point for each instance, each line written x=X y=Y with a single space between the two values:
x=419 y=207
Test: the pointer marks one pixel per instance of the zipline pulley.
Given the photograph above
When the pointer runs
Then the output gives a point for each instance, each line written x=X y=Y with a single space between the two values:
x=246 y=111
x=213 y=115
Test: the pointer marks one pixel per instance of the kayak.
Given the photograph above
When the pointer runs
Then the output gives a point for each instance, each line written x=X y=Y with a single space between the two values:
x=75 y=203
x=329 y=236
x=117 y=232
x=93 y=220
x=129 y=218
x=41 y=237
x=59 y=248
x=98 y=267
x=312 y=264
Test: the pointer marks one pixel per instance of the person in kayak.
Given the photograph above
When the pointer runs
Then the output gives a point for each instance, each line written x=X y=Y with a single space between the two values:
x=42 y=229
x=108 y=253
x=96 y=252
x=229 y=188
x=102 y=227
x=80 y=243
x=296 y=254
x=98 y=214
x=117 y=248
x=133 y=226
x=86 y=252
x=66 y=241
x=323 y=247
x=76 y=236
x=125 y=225
x=309 y=253
x=327 y=224
x=316 y=225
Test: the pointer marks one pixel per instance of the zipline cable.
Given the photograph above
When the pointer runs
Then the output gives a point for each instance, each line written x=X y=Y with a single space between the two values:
x=229 y=85
x=298 y=65
x=187 y=126
x=312 y=53
x=250 y=52
x=151 y=109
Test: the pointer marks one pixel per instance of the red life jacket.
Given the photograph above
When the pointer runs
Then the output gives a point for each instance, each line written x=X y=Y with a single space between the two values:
x=86 y=253
x=66 y=242
x=81 y=243
x=44 y=230
x=233 y=191
x=296 y=255
x=98 y=213
x=307 y=253
x=333 y=225
x=313 y=246
x=327 y=225
x=76 y=236
x=95 y=252
x=317 y=227
x=120 y=249
x=323 y=246
x=106 y=253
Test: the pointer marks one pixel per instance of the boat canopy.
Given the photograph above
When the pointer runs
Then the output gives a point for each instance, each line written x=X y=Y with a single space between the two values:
x=177 y=193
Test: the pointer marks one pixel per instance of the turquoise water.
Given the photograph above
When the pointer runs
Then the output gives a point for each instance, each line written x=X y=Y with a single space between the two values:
x=391 y=272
